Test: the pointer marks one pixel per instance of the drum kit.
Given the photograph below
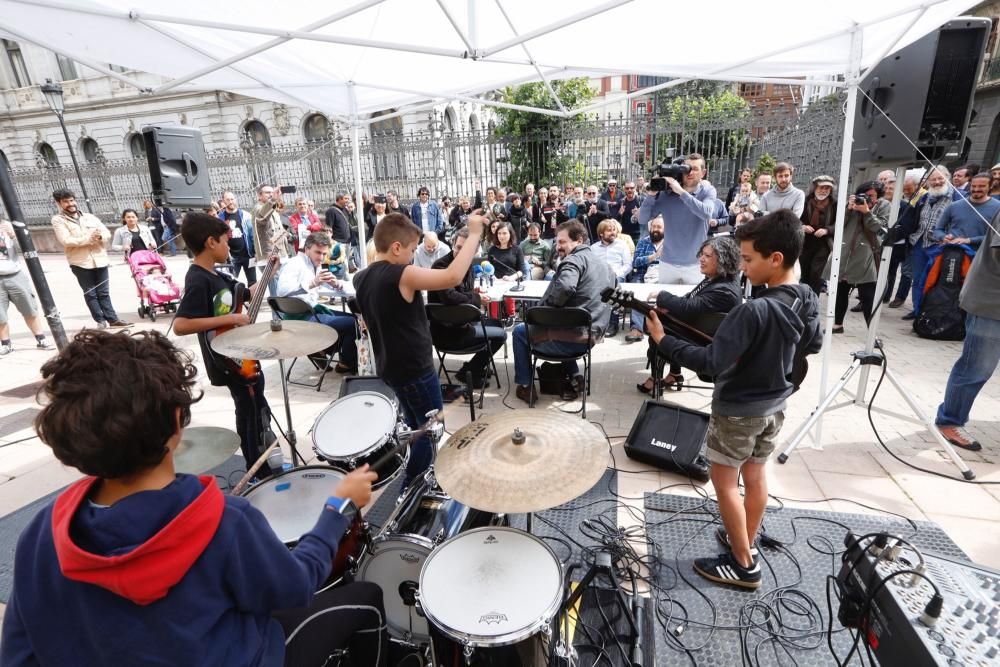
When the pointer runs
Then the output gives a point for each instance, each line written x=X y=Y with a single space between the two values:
x=460 y=586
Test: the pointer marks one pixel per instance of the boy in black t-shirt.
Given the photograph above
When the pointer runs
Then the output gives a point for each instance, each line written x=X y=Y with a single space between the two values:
x=389 y=293
x=752 y=358
x=209 y=303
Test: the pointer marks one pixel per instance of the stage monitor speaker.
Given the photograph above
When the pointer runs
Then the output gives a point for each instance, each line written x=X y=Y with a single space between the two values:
x=670 y=437
x=926 y=88
x=177 y=166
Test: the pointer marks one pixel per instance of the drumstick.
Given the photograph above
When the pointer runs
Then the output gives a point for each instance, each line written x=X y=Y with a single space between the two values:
x=238 y=489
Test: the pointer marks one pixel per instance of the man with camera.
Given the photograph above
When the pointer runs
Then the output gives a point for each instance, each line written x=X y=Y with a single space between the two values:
x=686 y=210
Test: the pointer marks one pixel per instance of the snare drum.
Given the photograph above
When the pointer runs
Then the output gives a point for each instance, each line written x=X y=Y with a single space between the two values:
x=425 y=518
x=489 y=588
x=293 y=501
x=358 y=429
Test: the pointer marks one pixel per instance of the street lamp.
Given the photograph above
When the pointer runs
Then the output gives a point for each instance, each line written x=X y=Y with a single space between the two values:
x=53 y=93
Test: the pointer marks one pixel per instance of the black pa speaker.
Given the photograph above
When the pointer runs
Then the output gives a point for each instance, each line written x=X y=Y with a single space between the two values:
x=926 y=88
x=177 y=166
x=670 y=437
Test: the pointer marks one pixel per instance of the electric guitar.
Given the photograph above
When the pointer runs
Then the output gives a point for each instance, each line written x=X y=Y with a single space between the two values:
x=695 y=329
x=249 y=369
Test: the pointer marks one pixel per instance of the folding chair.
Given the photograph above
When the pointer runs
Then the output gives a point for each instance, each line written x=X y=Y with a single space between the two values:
x=547 y=323
x=459 y=316
x=291 y=308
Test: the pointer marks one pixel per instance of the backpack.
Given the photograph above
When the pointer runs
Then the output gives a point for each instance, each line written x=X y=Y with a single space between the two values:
x=800 y=365
x=940 y=316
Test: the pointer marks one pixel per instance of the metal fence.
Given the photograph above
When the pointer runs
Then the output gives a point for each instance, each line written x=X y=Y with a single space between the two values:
x=457 y=163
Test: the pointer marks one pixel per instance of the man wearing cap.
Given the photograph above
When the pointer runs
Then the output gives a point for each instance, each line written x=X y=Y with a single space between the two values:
x=614 y=197
x=818 y=218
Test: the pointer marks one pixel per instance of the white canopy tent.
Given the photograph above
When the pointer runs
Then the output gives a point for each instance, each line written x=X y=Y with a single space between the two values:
x=353 y=58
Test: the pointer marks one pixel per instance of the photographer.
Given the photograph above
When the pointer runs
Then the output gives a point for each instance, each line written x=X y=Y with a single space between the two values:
x=867 y=217
x=686 y=210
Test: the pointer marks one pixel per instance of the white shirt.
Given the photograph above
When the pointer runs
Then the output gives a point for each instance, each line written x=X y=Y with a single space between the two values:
x=617 y=256
x=424 y=219
x=296 y=279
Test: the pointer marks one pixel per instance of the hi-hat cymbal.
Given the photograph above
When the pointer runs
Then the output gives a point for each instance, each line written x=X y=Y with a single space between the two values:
x=203 y=447
x=560 y=459
x=296 y=338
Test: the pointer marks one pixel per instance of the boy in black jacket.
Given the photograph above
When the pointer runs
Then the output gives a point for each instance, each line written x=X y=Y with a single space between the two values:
x=752 y=357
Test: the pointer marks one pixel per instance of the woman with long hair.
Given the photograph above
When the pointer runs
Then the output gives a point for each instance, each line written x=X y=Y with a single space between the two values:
x=132 y=235
x=505 y=254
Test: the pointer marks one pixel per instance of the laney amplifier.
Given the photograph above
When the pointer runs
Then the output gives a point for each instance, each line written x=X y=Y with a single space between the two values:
x=670 y=437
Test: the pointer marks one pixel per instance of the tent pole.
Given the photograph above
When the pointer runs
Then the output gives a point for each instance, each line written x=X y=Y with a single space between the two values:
x=853 y=78
x=359 y=200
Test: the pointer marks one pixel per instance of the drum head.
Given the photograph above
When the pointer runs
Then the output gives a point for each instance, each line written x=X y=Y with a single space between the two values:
x=293 y=501
x=354 y=424
x=394 y=565
x=491 y=586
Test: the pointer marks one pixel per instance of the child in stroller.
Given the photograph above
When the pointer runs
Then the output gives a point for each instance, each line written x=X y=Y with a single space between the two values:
x=153 y=284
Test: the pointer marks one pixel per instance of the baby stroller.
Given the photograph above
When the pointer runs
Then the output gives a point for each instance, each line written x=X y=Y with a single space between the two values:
x=157 y=292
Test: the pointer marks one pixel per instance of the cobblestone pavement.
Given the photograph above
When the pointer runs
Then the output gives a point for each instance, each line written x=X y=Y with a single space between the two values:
x=851 y=466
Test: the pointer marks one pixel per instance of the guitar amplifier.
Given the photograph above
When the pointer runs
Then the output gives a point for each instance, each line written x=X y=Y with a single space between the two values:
x=670 y=437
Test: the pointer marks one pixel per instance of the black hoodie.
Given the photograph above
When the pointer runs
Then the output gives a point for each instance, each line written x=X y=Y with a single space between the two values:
x=752 y=352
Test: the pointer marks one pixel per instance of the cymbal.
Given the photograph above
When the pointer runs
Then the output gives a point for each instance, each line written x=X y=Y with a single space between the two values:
x=561 y=458
x=203 y=447
x=296 y=338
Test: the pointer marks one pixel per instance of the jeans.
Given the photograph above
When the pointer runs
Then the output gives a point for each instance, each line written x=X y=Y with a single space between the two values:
x=973 y=369
x=247 y=264
x=168 y=238
x=94 y=283
x=347 y=335
x=522 y=356
x=417 y=398
x=918 y=264
x=251 y=419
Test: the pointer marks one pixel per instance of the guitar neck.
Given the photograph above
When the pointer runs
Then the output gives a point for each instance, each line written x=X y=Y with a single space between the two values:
x=258 y=298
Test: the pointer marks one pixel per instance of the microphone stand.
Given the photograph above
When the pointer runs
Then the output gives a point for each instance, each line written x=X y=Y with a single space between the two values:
x=517 y=288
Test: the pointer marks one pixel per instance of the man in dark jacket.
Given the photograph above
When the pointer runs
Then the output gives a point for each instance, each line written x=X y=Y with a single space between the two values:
x=613 y=196
x=578 y=282
x=336 y=220
x=468 y=335
x=592 y=212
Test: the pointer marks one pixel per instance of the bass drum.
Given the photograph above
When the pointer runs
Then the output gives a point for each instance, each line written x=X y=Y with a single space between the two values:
x=425 y=518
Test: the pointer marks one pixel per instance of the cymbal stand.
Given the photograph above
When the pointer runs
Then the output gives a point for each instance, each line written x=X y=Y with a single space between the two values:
x=290 y=436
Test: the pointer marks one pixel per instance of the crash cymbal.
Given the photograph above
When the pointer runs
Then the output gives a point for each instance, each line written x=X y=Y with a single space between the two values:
x=296 y=338
x=560 y=459
x=204 y=447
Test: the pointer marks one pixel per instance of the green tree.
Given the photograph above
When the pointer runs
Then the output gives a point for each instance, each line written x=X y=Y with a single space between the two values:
x=537 y=140
x=765 y=165
x=712 y=125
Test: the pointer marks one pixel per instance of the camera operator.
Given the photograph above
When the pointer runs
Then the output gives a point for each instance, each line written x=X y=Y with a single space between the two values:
x=686 y=210
x=867 y=217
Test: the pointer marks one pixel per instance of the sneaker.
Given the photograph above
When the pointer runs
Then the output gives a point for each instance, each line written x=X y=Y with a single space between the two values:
x=526 y=394
x=896 y=303
x=634 y=336
x=119 y=323
x=723 y=537
x=910 y=316
x=6 y=349
x=43 y=344
x=725 y=570
x=102 y=325
x=959 y=437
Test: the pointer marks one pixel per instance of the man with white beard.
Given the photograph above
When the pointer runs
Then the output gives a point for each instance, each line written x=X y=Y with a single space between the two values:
x=940 y=195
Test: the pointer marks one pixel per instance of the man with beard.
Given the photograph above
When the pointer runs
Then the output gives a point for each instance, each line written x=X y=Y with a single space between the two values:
x=241 y=231
x=687 y=209
x=578 y=283
x=965 y=222
x=818 y=218
x=785 y=195
x=537 y=252
x=630 y=211
x=83 y=236
x=930 y=208
x=612 y=250
x=392 y=204
x=646 y=269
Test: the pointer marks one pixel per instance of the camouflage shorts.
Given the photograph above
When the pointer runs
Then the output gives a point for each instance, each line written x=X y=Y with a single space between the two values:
x=732 y=441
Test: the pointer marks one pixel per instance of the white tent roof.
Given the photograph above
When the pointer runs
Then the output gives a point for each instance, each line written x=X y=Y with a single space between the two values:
x=362 y=56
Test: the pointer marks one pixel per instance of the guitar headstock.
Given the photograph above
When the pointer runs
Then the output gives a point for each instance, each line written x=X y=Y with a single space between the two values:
x=617 y=296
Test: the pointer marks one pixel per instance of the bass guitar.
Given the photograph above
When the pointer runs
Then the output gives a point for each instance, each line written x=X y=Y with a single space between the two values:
x=696 y=329
x=249 y=369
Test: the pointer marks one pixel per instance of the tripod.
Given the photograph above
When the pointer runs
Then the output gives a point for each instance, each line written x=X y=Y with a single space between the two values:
x=872 y=355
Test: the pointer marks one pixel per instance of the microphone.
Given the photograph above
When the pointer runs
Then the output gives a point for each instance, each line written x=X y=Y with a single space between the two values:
x=489 y=271
x=477 y=271
x=519 y=287
x=276 y=461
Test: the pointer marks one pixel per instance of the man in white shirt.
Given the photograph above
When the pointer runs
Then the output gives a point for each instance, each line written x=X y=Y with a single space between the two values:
x=612 y=249
x=302 y=276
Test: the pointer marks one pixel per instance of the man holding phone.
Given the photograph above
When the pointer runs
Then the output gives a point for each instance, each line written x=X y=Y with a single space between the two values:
x=302 y=276
x=267 y=226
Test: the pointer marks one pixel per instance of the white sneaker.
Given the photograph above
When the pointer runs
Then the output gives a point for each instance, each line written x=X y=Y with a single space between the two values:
x=102 y=325
x=6 y=349
x=44 y=344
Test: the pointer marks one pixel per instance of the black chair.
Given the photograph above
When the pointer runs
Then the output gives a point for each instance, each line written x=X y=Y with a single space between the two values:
x=547 y=323
x=291 y=308
x=466 y=314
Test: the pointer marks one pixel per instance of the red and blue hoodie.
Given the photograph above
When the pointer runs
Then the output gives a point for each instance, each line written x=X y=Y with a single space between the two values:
x=178 y=576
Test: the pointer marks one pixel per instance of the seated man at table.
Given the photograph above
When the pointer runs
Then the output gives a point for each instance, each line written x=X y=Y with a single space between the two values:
x=476 y=371
x=646 y=269
x=302 y=276
x=578 y=282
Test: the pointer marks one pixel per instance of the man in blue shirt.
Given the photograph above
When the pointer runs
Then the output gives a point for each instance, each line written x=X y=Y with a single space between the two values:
x=686 y=210
x=965 y=220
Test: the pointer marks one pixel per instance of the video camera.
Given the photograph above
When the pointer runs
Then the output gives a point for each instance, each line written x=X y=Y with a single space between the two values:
x=675 y=170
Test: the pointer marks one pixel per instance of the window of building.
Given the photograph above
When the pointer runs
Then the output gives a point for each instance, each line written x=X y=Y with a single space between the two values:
x=67 y=68
x=16 y=59
x=137 y=145
x=316 y=127
x=48 y=154
x=258 y=134
x=89 y=148
x=474 y=122
x=751 y=89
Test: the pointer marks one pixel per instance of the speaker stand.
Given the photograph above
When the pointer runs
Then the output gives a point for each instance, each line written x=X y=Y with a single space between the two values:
x=872 y=355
